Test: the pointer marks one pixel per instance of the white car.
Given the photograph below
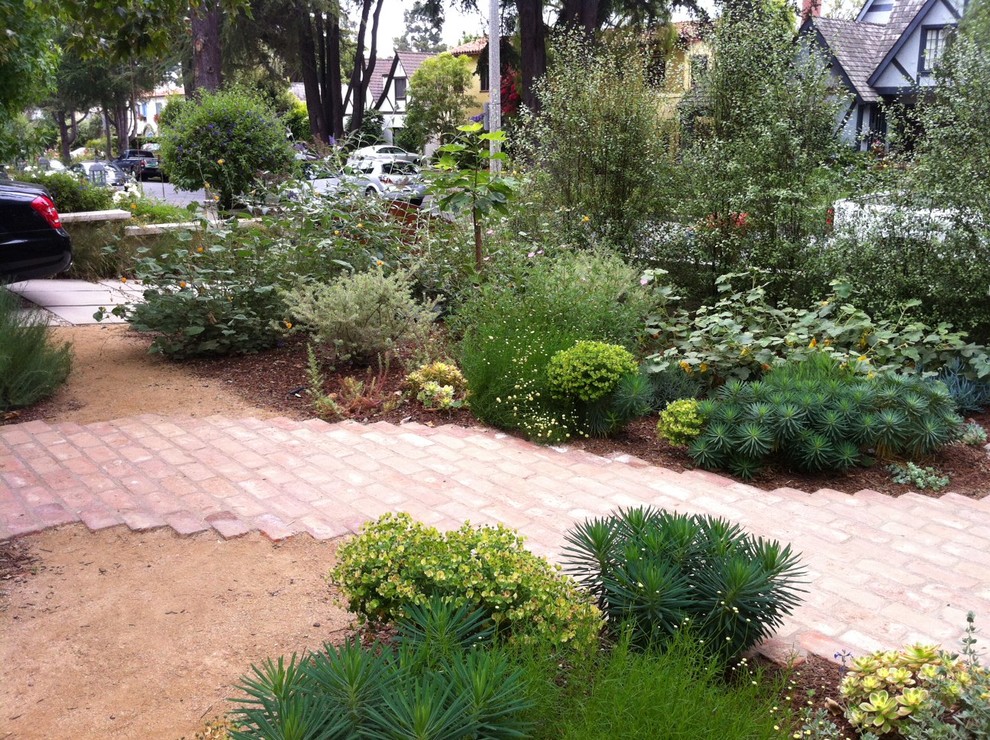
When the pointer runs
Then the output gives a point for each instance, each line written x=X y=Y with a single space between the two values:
x=381 y=151
x=395 y=180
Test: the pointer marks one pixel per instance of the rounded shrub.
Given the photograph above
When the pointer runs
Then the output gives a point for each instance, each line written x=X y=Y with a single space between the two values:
x=589 y=370
x=659 y=572
x=73 y=194
x=363 y=315
x=396 y=563
x=680 y=422
x=224 y=142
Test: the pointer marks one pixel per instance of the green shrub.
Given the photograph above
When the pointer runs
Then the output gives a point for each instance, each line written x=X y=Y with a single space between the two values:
x=512 y=328
x=589 y=370
x=890 y=691
x=906 y=253
x=224 y=141
x=671 y=692
x=72 y=194
x=661 y=572
x=396 y=563
x=743 y=335
x=680 y=422
x=31 y=366
x=812 y=416
x=363 y=315
x=611 y=165
x=215 y=299
x=443 y=681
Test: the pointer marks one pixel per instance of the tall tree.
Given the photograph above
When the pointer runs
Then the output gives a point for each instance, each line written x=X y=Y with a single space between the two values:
x=206 y=23
x=421 y=33
x=27 y=60
x=438 y=98
x=362 y=72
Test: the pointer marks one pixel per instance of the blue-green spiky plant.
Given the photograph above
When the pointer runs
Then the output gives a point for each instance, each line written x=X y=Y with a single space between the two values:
x=659 y=571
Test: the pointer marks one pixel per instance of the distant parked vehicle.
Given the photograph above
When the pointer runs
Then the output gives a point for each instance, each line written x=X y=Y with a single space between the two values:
x=141 y=163
x=33 y=243
x=383 y=152
x=395 y=180
x=113 y=176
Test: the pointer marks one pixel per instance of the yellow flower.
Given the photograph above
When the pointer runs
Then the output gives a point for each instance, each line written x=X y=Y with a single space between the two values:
x=199 y=249
x=585 y=219
x=123 y=280
x=685 y=366
x=704 y=367
x=336 y=232
x=863 y=358
x=379 y=263
x=133 y=206
x=182 y=283
x=220 y=162
x=360 y=225
x=813 y=343
x=288 y=324
x=871 y=375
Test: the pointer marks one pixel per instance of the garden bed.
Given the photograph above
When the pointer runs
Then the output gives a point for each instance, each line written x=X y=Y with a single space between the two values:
x=276 y=379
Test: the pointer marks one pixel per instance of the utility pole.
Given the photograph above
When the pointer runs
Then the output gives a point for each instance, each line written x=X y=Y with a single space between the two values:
x=494 y=79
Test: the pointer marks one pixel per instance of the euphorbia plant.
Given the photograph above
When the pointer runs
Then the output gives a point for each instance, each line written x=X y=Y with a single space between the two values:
x=467 y=180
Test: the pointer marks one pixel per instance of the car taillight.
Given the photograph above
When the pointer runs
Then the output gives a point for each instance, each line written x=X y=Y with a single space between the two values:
x=43 y=205
x=387 y=180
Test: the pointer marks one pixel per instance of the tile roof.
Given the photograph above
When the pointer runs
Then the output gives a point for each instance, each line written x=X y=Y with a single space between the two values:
x=376 y=84
x=411 y=60
x=471 y=47
x=858 y=48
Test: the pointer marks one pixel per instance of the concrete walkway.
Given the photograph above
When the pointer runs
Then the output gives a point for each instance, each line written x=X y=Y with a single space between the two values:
x=73 y=302
x=882 y=571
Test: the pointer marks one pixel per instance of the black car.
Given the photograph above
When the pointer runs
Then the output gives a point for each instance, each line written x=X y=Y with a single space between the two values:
x=33 y=243
x=141 y=163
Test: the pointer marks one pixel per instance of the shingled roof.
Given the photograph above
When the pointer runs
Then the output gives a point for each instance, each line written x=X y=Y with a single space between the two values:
x=858 y=48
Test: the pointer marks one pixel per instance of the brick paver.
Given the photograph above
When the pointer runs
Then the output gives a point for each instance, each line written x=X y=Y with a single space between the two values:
x=881 y=571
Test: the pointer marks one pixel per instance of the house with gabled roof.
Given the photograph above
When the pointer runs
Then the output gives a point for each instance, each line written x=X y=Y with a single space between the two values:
x=393 y=98
x=887 y=55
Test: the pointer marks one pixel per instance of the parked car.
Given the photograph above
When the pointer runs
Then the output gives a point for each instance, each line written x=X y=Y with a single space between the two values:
x=396 y=180
x=141 y=163
x=381 y=151
x=33 y=243
x=115 y=176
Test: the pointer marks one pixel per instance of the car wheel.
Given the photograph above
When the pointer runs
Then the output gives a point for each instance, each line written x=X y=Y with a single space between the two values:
x=370 y=191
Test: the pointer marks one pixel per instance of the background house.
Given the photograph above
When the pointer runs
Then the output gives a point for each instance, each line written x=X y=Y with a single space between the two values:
x=686 y=62
x=886 y=55
x=480 y=91
x=393 y=99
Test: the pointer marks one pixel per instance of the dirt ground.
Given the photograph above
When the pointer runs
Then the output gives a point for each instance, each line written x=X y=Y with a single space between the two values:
x=123 y=635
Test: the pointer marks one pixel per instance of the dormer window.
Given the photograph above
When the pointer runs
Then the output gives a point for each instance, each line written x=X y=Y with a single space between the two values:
x=400 y=88
x=933 y=40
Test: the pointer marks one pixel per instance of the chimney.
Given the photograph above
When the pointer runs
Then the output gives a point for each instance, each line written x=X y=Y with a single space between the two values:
x=810 y=9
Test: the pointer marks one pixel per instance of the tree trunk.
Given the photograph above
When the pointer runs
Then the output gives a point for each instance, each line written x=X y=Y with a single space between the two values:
x=372 y=53
x=63 y=136
x=318 y=124
x=355 y=91
x=333 y=80
x=533 y=55
x=206 y=46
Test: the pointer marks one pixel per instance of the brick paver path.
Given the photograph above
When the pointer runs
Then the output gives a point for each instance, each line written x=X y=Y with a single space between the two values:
x=881 y=571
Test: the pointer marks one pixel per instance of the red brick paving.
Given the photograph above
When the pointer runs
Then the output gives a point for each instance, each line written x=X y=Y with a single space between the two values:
x=881 y=571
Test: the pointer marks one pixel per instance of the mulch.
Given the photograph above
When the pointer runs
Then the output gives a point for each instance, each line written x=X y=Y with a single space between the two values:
x=276 y=379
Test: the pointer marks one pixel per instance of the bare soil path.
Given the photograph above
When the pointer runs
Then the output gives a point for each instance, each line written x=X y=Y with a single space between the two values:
x=117 y=634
